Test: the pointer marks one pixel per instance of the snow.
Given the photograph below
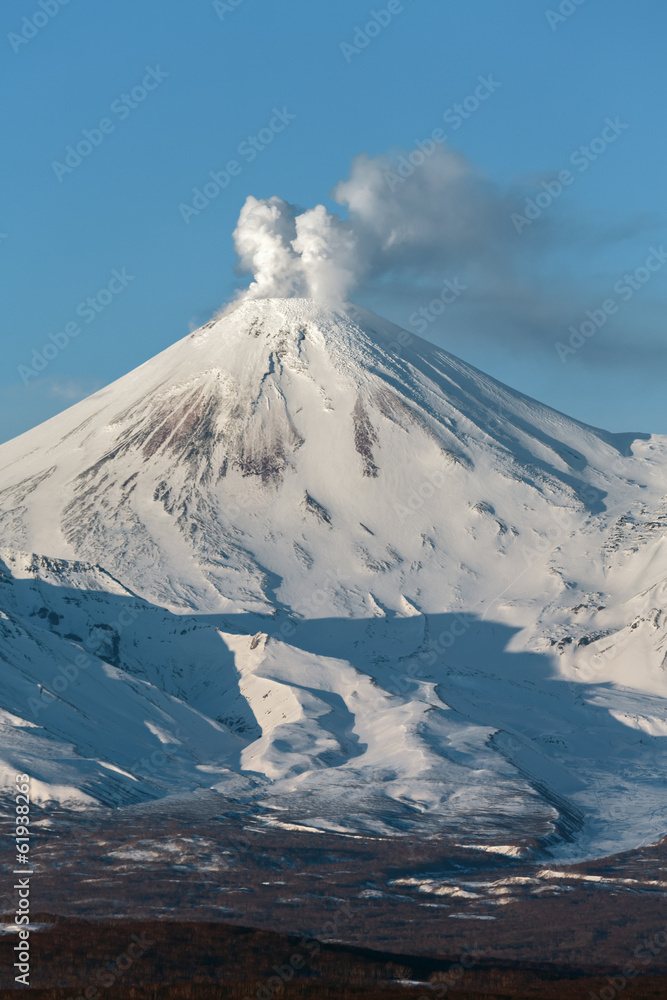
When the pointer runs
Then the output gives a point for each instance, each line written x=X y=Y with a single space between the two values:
x=511 y=850
x=370 y=587
x=15 y=928
x=578 y=876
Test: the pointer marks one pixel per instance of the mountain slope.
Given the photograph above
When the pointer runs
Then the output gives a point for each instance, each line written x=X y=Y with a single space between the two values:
x=368 y=573
x=286 y=441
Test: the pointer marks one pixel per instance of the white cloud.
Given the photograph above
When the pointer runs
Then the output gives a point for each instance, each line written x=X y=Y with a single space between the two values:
x=446 y=212
x=413 y=220
x=263 y=240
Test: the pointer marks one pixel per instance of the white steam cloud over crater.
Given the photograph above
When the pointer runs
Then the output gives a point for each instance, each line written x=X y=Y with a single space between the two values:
x=445 y=214
x=290 y=252
x=412 y=223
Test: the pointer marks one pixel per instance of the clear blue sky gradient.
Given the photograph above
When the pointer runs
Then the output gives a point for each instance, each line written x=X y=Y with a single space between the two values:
x=61 y=239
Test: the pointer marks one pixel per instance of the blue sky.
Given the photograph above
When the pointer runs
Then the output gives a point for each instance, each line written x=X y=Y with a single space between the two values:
x=208 y=79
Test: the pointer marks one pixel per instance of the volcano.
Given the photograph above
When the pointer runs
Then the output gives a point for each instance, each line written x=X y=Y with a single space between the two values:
x=306 y=560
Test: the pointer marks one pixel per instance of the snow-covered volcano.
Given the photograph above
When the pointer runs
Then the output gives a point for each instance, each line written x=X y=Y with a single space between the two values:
x=361 y=582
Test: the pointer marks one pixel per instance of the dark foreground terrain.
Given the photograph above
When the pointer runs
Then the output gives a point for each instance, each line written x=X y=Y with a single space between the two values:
x=129 y=905
x=166 y=961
